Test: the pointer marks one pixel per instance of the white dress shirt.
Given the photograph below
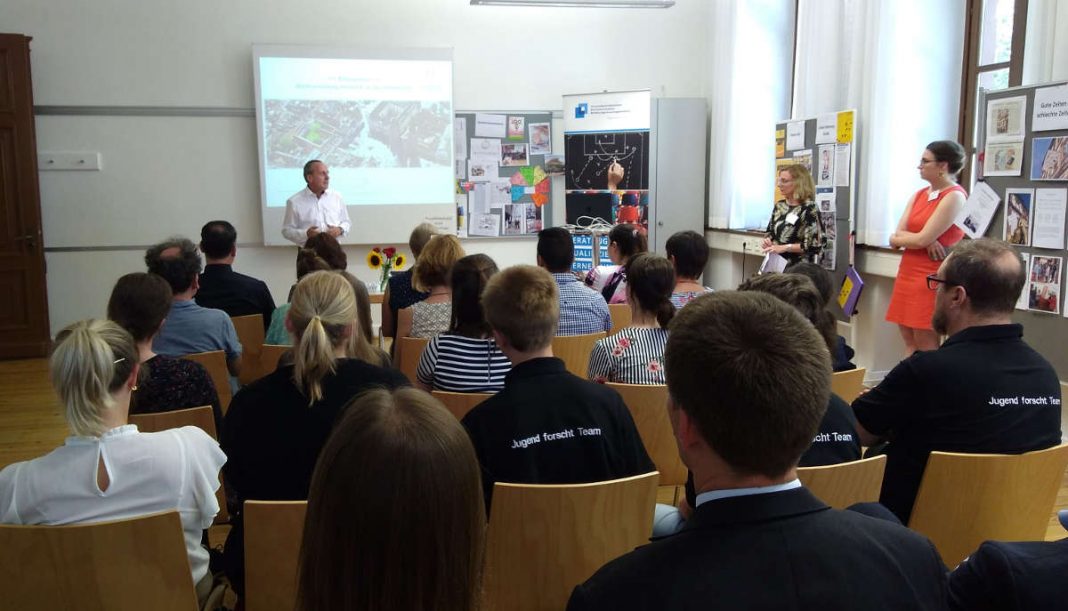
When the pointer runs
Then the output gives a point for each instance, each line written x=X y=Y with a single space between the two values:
x=148 y=473
x=305 y=210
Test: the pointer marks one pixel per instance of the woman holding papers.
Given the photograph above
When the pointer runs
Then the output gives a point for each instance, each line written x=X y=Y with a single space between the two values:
x=926 y=231
x=794 y=231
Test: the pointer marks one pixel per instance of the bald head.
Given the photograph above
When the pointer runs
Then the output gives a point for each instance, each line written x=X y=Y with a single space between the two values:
x=991 y=272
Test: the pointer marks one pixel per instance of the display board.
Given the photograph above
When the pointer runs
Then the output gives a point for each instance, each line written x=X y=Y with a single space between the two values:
x=502 y=186
x=827 y=146
x=1024 y=169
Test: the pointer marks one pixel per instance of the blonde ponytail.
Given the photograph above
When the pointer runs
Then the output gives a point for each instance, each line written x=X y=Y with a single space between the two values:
x=91 y=360
x=322 y=310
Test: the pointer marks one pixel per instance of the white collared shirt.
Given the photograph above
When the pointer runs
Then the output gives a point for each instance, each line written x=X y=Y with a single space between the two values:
x=713 y=495
x=148 y=473
x=305 y=210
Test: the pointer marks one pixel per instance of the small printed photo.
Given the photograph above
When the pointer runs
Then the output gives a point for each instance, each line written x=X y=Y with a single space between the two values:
x=1003 y=159
x=1046 y=269
x=1049 y=159
x=541 y=139
x=971 y=224
x=554 y=164
x=1045 y=284
x=1018 y=211
x=516 y=128
x=514 y=154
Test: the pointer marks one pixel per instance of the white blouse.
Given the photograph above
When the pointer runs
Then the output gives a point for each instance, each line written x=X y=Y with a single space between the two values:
x=148 y=472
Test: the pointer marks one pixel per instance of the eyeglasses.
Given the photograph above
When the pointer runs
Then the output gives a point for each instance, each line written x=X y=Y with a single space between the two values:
x=933 y=281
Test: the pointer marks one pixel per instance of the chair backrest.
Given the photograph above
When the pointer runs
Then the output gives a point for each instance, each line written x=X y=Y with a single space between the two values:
x=459 y=403
x=848 y=384
x=269 y=356
x=965 y=499
x=120 y=565
x=545 y=540
x=620 y=313
x=846 y=483
x=575 y=351
x=408 y=352
x=274 y=531
x=250 y=333
x=648 y=407
x=201 y=417
x=215 y=363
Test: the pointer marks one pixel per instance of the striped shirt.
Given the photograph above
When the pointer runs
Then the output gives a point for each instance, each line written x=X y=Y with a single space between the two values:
x=582 y=309
x=682 y=298
x=462 y=364
x=632 y=356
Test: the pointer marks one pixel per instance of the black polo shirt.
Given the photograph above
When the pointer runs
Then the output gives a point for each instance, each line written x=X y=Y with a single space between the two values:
x=236 y=294
x=551 y=427
x=983 y=391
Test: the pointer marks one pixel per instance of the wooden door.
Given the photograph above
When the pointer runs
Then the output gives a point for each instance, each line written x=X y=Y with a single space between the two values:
x=23 y=303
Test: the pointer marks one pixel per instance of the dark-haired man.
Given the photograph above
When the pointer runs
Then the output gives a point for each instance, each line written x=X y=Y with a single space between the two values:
x=582 y=309
x=220 y=286
x=190 y=328
x=315 y=209
x=748 y=380
x=983 y=391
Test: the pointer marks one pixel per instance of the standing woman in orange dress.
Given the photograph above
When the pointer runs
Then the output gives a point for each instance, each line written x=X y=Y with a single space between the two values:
x=926 y=231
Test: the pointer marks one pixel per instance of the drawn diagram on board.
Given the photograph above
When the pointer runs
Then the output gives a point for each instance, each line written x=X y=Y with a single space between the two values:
x=593 y=154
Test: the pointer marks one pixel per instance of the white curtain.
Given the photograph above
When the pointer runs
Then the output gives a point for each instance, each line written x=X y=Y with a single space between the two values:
x=1046 y=43
x=898 y=63
x=749 y=67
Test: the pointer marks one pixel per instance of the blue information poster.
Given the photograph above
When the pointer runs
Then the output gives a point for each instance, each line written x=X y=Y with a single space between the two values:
x=583 y=252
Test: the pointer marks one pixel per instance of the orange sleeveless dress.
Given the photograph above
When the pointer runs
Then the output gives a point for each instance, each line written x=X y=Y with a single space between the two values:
x=912 y=303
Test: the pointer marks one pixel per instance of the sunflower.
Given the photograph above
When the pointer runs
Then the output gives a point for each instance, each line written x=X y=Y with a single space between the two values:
x=399 y=261
x=374 y=260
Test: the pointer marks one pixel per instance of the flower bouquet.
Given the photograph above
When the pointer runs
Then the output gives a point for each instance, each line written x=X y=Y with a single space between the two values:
x=385 y=259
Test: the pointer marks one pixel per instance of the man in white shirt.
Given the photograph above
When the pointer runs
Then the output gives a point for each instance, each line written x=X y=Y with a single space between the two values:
x=314 y=209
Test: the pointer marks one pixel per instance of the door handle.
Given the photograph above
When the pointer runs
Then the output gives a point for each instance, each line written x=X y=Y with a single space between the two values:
x=29 y=239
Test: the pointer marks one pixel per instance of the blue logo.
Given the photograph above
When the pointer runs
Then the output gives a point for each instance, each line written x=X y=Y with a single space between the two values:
x=582 y=110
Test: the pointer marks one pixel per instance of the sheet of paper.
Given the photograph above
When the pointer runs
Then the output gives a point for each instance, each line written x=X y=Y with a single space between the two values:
x=461 y=169
x=1003 y=159
x=1005 y=119
x=795 y=135
x=490 y=126
x=978 y=210
x=1051 y=109
x=486 y=147
x=780 y=143
x=773 y=263
x=825 y=201
x=459 y=137
x=461 y=215
x=1019 y=216
x=478 y=201
x=845 y=127
x=804 y=157
x=485 y=224
x=1021 y=303
x=500 y=192
x=842 y=164
x=1044 y=294
x=825 y=166
x=1049 y=218
x=482 y=171
x=827 y=128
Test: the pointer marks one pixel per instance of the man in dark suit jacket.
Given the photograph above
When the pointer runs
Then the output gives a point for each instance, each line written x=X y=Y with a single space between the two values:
x=1003 y=576
x=220 y=286
x=748 y=380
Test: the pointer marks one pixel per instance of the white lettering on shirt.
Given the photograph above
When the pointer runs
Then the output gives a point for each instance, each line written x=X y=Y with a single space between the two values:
x=828 y=437
x=1044 y=400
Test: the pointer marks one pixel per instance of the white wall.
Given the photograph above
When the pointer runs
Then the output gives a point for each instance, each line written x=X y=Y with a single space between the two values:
x=198 y=53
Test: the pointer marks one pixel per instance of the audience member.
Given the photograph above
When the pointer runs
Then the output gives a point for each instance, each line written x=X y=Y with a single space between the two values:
x=983 y=391
x=190 y=328
x=465 y=358
x=547 y=426
x=107 y=470
x=582 y=309
x=360 y=345
x=391 y=455
x=431 y=316
x=842 y=354
x=276 y=426
x=748 y=381
x=399 y=292
x=220 y=286
x=688 y=252
x=307 y=262
x=327 y=248
x=139 y=303
x=1022 y=576
x=635 y=354
x=624 y=241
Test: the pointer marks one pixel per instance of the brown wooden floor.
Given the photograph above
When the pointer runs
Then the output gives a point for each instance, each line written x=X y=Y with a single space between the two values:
x=31 y=425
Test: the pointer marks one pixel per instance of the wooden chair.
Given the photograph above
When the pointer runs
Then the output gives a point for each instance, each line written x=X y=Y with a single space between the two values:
x=459 y=403
x=250 y=333
x=846 y=483
x=215 y=363
x=648 y=407
x=201 y=417
x=545 y=540
x=269 y=356
x=620 y=313
x=274 y=531
x=408 y=352
x=848 y=384
x=132 y=564
x=575 y=351
x=965 y=499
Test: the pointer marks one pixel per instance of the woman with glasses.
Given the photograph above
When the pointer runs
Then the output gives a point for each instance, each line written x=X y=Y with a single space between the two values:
x=795 y=232
x=925 y=232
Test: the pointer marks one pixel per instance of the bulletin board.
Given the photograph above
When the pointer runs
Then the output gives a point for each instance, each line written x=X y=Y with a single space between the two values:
x=502 y=187
x=827 y=145
x=1023 y=153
